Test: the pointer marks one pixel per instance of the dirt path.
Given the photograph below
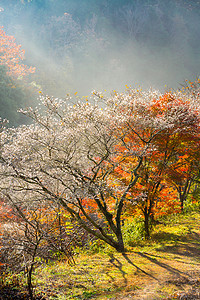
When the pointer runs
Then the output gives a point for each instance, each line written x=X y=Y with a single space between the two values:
x=175 y=275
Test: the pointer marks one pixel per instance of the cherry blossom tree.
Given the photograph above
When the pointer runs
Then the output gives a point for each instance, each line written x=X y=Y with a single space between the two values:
x=70 y=154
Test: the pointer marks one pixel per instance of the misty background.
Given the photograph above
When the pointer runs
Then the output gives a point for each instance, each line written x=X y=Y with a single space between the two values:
x=82 y=45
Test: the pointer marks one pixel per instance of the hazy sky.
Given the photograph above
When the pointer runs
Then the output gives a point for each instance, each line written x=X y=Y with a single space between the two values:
x=78 y=46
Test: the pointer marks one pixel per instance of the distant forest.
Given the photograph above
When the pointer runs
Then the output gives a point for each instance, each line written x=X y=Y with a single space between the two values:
x=79 y=46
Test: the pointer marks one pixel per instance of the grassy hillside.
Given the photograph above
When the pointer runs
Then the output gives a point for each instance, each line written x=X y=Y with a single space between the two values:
x=166 y=267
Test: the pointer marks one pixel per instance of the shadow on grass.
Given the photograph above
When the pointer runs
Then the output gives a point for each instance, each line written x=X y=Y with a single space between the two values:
x=187 y=245
x=116 y=263
x=138 y=269
x=161 y=264
x=182 y=245
x=163 y=237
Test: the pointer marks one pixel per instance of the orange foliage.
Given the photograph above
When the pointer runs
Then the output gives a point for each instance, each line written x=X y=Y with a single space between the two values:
x=6 y=213
x=173 y=154
x=166 y=203
x=90 y=205
x=12 y=55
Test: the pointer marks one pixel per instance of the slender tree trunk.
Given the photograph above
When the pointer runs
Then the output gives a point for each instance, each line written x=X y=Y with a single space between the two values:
x=29 y=282
x=183 y=193
x=146 y=224
x=182 y=203
x=30 y=271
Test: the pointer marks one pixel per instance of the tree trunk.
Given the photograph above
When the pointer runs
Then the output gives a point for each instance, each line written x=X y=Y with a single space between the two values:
x=29 y=282
x=183 y=192
x=120 y=245
x=30 y=271
x=146 y=225
x=182 y=202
